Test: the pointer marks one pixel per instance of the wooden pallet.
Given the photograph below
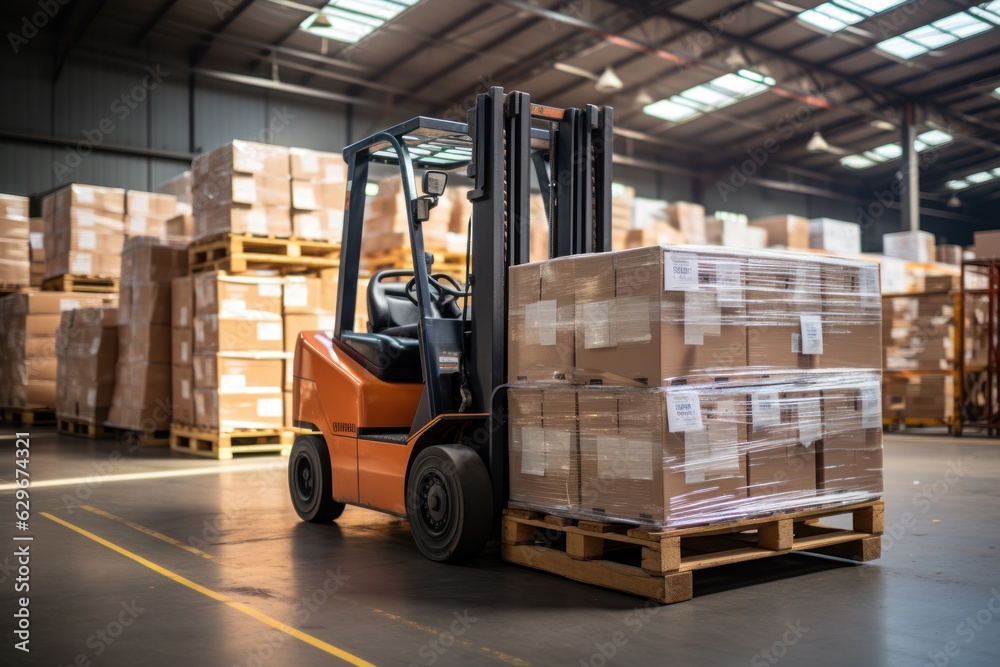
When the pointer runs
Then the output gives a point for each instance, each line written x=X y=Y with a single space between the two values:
x=239 y=253
x=29 y=416
x=139 y=437
x=452 y=263
x=14 y=289
x=71 y=283
x=82 y=428
x=659 y=564
x=224 y=445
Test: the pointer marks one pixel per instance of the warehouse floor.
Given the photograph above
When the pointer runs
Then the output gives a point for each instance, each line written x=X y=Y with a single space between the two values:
x=158 y=560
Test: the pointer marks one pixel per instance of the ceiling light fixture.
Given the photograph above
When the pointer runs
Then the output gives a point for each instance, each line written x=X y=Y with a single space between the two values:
x=817 y=143
x=642 y=98
x=954 y=202
x=608 y=82
x=321 y=20
x=882 y=125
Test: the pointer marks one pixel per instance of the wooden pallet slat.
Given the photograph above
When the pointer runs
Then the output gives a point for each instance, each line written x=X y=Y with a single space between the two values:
x=659 y=564
x=139 y=437
x=238 y=253
x=29 y=416
x=14 y=289
x=82 y=428
x=75 y=283
x=223 y=445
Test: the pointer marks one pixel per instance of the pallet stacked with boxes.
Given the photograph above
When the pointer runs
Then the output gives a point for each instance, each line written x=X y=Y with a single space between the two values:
x=318 y=194
x=86 y=353
x=15 y=244
x=28 y=326
x=141 y=406
x=679 y=386
x=84 y=234
x=147 y=213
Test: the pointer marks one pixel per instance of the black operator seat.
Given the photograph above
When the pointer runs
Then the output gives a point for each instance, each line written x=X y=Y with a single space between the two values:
x=391 y=350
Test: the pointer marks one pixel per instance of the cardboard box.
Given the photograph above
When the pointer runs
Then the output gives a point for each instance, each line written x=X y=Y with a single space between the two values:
x=728 y=232
x=319 y=195
x=243 y=219
x=629 y=330
x=541 y=321
x=142 y=398
x=785 y=429
x=673 y=458
x=230 y=373
x=153 y=260
x=302 y=295
x=690 y=220
x=835 y=236
x=182 y=345
x=915 y=246
x=228 y=411
x=150 y=204
x=850 y=456
x=787 y=231
x=182 y=394
x=216 y=292
x=145 y=303
x=319 y=225
x=257 y=331
x=145 y=225
x=36 y=303
x=245 y=157
x=180 y=225
x=544 y=453
x=317 y=166
x=314 y=322
x=92 y=197
x=13 y=206
x=150 y=342
x=182 y=301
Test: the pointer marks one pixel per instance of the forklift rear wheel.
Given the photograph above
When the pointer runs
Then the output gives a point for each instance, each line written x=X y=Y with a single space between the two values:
x=310 y=480
x=449 y=503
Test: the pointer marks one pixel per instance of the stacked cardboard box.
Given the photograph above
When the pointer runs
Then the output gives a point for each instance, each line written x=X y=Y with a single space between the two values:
x=182 y=349
x=238 y=352
x=86 y=350
x=918 y=332
x=751 y=348
x=386 y=223
x=915 y=246
x=949 y=253
x=987 y=244
x=15 y=256
x=318 y=195
x=84 y=231
x=180 y=187
x=785 y=231
x=147 y=213
x=930 y=397
x=835 y=236
x=689 y=220
x=142 y=396
x=308 y=304
x=243 y=188
x=28 y=326
x=36 y=250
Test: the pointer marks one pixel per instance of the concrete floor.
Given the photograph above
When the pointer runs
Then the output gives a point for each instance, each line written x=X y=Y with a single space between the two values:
x=228 y=564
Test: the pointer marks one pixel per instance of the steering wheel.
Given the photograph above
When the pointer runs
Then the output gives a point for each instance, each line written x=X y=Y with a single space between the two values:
x=445 y=294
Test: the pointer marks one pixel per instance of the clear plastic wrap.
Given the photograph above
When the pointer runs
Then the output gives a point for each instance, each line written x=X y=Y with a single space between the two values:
x=86 y=350
x=699 y=453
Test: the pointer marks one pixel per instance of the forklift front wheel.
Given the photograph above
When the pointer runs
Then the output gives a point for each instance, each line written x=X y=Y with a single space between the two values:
x=449 y=503
x=310 y=480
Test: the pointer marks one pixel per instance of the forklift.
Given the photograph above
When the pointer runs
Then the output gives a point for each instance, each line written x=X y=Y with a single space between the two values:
x=409 y=417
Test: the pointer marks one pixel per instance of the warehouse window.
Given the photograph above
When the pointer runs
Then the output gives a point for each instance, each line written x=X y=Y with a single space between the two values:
x=836 y=15
x=887 y=152
x=962 y=25
x=352 y=20
x=977 y=178
x=717 y=94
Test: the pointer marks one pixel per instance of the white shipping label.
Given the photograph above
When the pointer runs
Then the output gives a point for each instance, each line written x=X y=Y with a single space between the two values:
x=270 y=407
x=766 y=409
x=233 y=306
x=309 y=226
x=680 y=272
x=82 y=264
x=270 y=289
x=702 y=309
x=68 y=304
x=633 y=320
x=269 y=331
x=869 y=280
x=86 y=240
x=796 y=343
x=183 y=316
x=296 y=295
x=95 y=345
x=683 y=412
x=137 y=203
x=640 y=459
x=257 y=222
x=137 y=225
x=37 y=240
x=532 y=450
x=541 y=322
x=334 y=172
x=598 y=327
x=693 y=334
x=729 y=284
x=185 y=353
x=186 y=389
x=871 y=406
x=310 y=163
x=244 y=190
x=84 y=217
x=326 y=322
x=812 y=334
x=557 y=441
x=305 y=196
x=84 y=195
x=233 y=381
x=696 y=457
x=91 y=397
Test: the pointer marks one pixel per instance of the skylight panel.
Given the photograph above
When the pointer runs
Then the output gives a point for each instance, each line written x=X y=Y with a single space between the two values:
x=836 y=15
x=717 y=94
x=856 y=162
x=887 y=152
x=943 y=32
x=957 y=185
x=977 y=178
x=351 y=21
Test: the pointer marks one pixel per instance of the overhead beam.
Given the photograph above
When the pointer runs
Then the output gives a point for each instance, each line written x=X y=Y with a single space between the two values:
x=79 y=30
x=199 y=52
x=151 y=24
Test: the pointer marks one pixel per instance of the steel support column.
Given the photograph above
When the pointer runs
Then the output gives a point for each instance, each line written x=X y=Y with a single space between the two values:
x=909 y=195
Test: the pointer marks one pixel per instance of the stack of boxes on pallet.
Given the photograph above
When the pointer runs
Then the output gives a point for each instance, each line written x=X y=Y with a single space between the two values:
x=86 y=352
x=679 y=385
x=15 y=243
x=36 y=250
x=28 y=326
x=84 y=231
x=142 y=395
x=147 y=213
x=318 y=194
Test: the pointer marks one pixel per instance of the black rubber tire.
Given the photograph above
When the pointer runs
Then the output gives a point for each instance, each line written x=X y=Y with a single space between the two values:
x=310 y=480
x=449 y=502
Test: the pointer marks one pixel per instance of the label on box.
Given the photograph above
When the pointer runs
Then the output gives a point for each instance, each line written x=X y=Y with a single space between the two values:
x=532 y=450
x=812 y=334
x=541 y=322
x=36 y=240
x=183 y=319
x=269 y=331
x=270 y=407
x=233 y=381
x=640 y=459
x=598 y=329
x=869 y=280
x=766 y=409
x=632 y=320
x=309 y=162
x=696 y=456
x=95 y=345
x=84 y=195
x=68 y=304
x=811 y=427
x=91 y=397
x=871 y=406
x=244 y=190
x=557 y=448
x=309 y=226
x=693 y=334
x=84 y=217
x=334 y=173
x=270 y=289
x=257 y=222
x=82 y=264
x=86 y=240
x=296 y=295
x=233 y=306
x=137 y=225
x=185 y=357
x=796 y=343
x=137 y=203
x=680 y=272
x=729 y=284
x=305 y=196
x=683 y=412
x=185 y=389
x=326 y=322
x=702 y=313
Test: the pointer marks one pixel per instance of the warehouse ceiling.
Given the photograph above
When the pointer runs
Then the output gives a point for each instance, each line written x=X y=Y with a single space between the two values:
x=777 y=71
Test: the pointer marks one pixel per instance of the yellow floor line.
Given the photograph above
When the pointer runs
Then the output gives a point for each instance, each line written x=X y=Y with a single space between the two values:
x=238 y=606
x=147 y=531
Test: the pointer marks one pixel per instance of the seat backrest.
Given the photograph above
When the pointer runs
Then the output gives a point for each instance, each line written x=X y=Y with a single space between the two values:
x=389 y=307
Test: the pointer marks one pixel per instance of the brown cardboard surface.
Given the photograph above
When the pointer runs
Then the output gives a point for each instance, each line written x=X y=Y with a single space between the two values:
x=541 y=321
x=325 y=225
x=144 y=303
x=790 y=231
x=233 y=296
x=13 y=206
x=55 y=302
x=303 y=295
x=259 y=409
x=544 y=459
x=233 y=374
x=318 y=195
x=153 y=260
x=182 y=301
x=150 y=204
x=182 y=345
x=258 y=331
x=295 y=323
x=182 y=394
x=90 y=196
x=854 y=470
x=144 y=342
x=317 y=166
